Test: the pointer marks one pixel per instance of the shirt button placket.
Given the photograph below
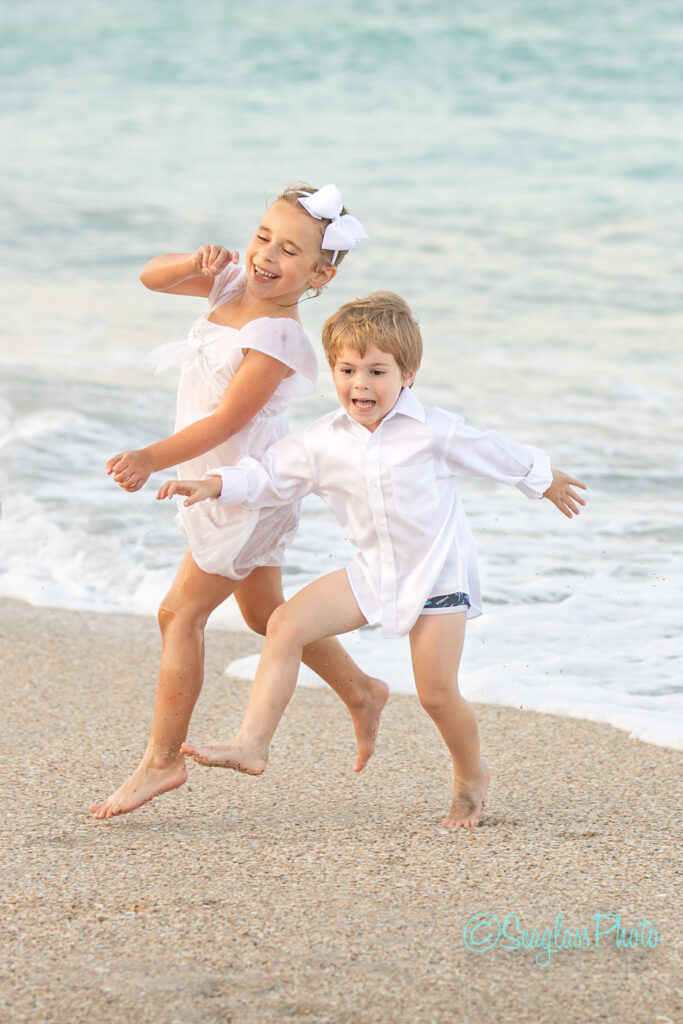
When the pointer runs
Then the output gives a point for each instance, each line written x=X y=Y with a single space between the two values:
x=373 y=473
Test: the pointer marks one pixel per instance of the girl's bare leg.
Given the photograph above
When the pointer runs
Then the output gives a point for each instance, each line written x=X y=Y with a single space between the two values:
x=436 y=643
x=324 y=608
x=365 y=696
x=182 y=617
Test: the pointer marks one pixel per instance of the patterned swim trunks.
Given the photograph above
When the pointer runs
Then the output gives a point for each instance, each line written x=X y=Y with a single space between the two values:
x=445 y=602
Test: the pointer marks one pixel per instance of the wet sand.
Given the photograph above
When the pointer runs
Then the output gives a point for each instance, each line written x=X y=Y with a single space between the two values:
x=312 y=894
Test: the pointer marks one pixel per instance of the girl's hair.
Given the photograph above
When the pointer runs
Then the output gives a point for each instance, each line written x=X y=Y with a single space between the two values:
x=383 y=319
x=291 y=195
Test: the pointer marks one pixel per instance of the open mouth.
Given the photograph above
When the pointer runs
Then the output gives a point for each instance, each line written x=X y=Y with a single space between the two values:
x=364 y=403
x=261 y=274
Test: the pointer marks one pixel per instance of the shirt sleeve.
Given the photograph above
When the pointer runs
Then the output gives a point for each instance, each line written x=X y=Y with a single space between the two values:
x=281 y=477
x=485 y=453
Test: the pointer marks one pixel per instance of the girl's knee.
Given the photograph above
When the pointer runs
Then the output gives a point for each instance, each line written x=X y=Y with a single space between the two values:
x=258 y=596
x=169 y=614
x=165 y=616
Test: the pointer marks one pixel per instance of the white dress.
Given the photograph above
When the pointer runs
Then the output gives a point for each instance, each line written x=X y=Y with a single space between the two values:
x=230 y=540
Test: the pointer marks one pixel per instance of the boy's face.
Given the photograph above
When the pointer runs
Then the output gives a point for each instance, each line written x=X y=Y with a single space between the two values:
x=368 y=385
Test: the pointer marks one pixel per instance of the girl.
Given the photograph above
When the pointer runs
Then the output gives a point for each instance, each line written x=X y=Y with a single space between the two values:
x=243 y=363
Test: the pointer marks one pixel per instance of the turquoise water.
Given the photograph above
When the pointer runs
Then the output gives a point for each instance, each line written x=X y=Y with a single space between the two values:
x=518 y=168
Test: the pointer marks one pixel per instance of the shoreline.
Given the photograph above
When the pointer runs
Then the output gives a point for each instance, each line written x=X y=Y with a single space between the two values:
x=247 y=645
x=311 y=894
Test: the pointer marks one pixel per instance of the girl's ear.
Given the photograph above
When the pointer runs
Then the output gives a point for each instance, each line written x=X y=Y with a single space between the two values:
x=322 y=276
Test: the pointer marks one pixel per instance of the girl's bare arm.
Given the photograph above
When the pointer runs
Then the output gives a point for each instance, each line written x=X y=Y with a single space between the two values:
x=189 y=273
x=255 y=381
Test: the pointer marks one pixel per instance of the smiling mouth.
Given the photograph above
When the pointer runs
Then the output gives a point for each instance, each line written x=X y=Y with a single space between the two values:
x=364 y=403
x=263 y=274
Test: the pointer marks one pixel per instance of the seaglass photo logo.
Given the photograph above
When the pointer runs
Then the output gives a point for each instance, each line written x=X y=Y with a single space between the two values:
x=484 y=931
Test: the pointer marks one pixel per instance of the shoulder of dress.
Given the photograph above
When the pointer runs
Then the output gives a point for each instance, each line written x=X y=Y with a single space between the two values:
x=282 y=331
x=275 y=337
x=284 y=324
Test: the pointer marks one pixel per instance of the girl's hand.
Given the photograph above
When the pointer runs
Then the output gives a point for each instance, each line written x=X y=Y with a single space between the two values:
x=131 y=469
x=196 y=490
x=562 y=495
x=209 y=260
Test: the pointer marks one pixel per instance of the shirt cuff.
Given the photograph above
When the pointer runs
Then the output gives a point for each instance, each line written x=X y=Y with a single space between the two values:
x=540 y=476
x=233 y=485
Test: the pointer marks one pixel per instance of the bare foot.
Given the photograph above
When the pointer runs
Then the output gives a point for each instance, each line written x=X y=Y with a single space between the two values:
x=365 y=720
x=233 y=754
x=468 y=801
x=146 y=782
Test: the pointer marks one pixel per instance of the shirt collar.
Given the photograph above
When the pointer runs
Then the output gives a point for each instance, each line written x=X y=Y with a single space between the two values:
x=405 y=405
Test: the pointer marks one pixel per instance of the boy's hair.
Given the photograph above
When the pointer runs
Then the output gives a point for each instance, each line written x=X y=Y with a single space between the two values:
x=383 y=319
x=291 y=195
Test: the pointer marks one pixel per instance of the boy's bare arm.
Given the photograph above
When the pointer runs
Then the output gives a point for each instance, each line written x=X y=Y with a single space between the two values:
x=562 y=494
x=195 y=490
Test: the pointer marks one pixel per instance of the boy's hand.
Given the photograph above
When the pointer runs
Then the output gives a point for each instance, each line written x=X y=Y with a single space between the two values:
x=209 y=260
x=196 y=490
x=562 y=495
x=131 y=469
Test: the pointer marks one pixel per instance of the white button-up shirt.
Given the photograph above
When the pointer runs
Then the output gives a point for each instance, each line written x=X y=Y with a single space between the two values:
x=395 y=492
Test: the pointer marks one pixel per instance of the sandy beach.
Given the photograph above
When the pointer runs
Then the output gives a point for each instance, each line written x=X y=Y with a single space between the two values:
x=312 y=894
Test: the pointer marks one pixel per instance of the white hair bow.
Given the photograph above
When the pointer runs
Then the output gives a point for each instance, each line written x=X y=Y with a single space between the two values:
x=344 y=231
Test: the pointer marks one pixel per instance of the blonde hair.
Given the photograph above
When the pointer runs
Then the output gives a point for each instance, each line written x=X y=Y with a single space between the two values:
x=383 y=319
x=291 y=195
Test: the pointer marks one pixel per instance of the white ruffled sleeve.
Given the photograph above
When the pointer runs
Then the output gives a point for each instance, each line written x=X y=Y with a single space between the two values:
x=284 y=339
x=229 y=282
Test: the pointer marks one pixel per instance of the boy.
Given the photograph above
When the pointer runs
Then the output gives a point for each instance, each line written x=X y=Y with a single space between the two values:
x=388 y=468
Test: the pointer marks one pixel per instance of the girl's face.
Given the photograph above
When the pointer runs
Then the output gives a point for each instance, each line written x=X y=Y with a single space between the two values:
x=283 y=257
x=368 y=386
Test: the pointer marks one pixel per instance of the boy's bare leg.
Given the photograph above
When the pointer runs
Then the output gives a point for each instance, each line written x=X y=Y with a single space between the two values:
x=324 y=608
x=182 y=617
x=365 y=696
x=436 y=643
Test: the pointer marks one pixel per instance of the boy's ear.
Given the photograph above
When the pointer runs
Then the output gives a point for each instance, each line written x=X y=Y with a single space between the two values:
x=322 y=276
x=409 y=378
